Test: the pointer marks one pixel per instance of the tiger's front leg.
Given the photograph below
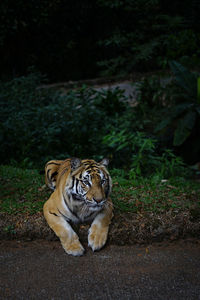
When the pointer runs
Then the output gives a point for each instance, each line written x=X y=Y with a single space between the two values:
x=69 y=239
x=98 y=231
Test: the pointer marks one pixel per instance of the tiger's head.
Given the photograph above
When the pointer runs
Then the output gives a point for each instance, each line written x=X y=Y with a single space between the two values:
x=90 y=182
x=83 y=181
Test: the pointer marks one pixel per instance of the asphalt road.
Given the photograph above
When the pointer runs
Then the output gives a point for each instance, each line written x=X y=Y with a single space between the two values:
x=41 y=270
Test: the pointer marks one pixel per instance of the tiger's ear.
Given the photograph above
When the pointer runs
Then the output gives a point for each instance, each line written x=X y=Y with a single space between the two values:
x=75 y=163
x=104 y=162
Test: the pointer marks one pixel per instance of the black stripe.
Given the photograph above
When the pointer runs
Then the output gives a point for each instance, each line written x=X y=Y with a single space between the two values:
x=88 y=161
x=64 y=171
x=73 y=178
x=108 y=187
x=53 y=163
x=77 y=182
x=48 y=174
x=54 y=174
x=63 y=215
x=73 y=213
x=53 y=214
x=91 y=213
x=91 y=166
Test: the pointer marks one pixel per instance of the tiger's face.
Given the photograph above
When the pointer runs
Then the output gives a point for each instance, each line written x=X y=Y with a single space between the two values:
x=90 y=183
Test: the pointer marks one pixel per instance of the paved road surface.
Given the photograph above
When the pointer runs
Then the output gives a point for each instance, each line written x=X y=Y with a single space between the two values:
x=41 y=270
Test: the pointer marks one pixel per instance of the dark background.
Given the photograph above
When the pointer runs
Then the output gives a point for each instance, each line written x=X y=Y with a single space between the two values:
x=72 y=40
x=59 y=41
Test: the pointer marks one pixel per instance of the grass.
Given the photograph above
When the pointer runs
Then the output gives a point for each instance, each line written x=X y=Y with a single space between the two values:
x=155 y=194
x=23 y=191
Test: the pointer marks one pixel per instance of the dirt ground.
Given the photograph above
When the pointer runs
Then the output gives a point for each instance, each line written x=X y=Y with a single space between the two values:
x=148 y=256
x=41 y=270
x=125 y=229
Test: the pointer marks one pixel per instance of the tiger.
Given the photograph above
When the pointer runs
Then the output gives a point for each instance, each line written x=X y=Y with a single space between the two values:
x=81 y=194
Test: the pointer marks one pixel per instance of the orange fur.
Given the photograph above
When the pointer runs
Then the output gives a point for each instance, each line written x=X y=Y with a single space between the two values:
x=81 y=194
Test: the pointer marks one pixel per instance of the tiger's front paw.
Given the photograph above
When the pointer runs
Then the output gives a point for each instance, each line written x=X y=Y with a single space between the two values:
x=74 y=248
x=97 y=237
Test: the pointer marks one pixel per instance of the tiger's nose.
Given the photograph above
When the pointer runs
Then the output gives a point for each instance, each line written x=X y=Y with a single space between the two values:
x=98 y=199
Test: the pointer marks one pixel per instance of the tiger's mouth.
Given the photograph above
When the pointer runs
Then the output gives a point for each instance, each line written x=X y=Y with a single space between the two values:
x=94 y=204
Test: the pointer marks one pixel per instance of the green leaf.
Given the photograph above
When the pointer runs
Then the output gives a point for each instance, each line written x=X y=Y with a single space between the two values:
x=185 y=79
x=184 y=128
x=175 y=113
x=122 y=146
x=164 y=123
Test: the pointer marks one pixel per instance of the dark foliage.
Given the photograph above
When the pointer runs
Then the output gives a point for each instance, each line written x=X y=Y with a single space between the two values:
x=78 y=39
x=37 y=124
x=181 y=119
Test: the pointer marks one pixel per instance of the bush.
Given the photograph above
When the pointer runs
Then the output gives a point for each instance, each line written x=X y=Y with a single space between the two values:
x=169 y=110
x=182 y=116
x=141 y=155
x=38 y=124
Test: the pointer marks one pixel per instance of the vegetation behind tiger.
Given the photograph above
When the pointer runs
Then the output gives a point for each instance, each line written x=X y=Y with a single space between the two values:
x=158 y=135
x=150 y=168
